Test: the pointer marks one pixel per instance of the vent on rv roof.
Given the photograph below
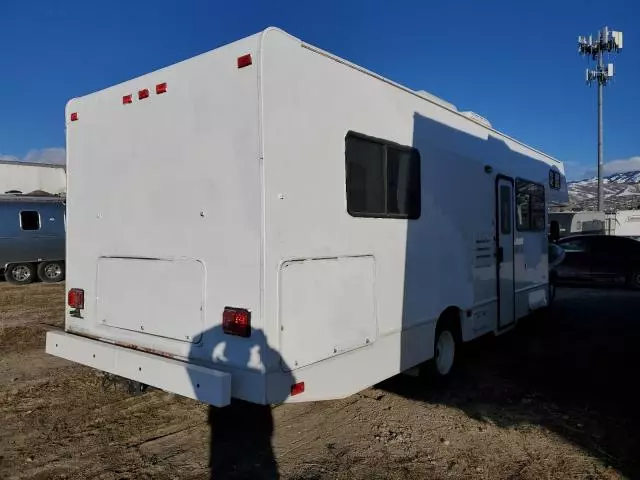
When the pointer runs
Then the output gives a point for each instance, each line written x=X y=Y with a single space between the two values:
x=438 y=100
x=477 y=118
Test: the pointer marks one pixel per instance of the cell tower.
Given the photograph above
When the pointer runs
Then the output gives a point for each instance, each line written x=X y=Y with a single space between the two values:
x=607 y=41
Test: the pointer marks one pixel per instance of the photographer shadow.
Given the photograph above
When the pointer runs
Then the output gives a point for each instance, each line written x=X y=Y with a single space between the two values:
x=240 y=443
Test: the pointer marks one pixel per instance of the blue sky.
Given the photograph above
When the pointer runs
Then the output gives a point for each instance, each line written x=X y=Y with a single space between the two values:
x=514 y=62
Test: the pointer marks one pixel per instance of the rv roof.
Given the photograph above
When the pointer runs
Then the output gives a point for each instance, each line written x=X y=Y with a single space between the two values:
x=422 y=94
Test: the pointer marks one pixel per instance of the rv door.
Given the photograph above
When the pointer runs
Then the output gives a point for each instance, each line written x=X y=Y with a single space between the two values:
x=505 y=265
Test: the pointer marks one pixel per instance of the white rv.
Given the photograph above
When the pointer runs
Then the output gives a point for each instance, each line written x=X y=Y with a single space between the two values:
x=270 y=222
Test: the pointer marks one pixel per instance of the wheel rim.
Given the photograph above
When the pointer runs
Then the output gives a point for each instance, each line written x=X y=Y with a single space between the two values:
x=52 y=271
x=21 y=273
x=445 y=352
x=636 y=279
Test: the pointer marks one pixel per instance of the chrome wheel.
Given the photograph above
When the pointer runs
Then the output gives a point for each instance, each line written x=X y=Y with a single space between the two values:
x=21 y=273
x=52 y=271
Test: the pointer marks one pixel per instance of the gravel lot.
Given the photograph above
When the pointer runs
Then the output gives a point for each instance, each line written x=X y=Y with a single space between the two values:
x=552 y=399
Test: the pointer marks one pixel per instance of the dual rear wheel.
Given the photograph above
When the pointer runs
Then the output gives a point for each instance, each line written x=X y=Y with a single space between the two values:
x=25 y=273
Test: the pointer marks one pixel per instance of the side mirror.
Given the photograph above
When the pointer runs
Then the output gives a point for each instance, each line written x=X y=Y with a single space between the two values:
x=554 y=231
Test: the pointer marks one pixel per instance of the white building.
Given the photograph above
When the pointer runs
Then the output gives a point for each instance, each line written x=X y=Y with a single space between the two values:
x=23 y=177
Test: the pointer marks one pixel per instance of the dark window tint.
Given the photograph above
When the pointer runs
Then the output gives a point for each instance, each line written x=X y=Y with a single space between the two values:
x=403 y=182
x=555 y=179
x=574 y=245
x=615 y=246
x=505 y=209
x=365 y=176
x=530 y=206
x=383 y=179
x=29 y=220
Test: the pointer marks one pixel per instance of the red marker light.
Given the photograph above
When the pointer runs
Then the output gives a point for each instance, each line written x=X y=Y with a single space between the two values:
x=297 y=389
x=127 y=99
x=244 y=61
x=75 y=298
x=74 y=116
x=161 y=88
x=142 y=94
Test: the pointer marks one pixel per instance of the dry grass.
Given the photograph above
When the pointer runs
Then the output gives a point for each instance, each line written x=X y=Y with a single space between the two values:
x=510 y=414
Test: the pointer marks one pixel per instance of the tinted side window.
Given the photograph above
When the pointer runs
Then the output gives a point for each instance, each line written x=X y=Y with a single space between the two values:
x=403 y=182
x=29 y=220
x=365 y=176
x=575 y=245
x=530 y=206
x=555 y=179
x=382 y=178
x=615 y=246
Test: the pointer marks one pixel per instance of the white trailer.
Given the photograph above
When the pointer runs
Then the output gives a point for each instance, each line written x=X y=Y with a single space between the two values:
x=269 y=222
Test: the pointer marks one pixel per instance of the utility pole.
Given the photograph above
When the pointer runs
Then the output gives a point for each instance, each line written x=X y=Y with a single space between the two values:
x=607 y=41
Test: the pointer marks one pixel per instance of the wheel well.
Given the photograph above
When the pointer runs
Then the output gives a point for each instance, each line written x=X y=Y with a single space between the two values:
x=452 y=318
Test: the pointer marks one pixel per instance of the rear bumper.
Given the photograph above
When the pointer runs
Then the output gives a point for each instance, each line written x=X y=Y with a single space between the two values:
x=204 y=384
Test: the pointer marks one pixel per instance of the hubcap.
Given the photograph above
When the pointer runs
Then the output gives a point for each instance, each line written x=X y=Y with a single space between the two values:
x=445 y=352
x=21 y=273
x=637 y=279
x=52 y=270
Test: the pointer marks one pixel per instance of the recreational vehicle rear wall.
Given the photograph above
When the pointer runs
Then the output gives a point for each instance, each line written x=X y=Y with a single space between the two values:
x=269 y=222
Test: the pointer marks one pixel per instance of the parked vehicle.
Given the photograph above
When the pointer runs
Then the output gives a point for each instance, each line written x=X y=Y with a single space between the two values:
x=574 y=223
x=270 y=222
x=32 y=238
x=600 y=258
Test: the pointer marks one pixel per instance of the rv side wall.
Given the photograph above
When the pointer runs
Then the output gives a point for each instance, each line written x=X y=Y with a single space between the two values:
x=352 y=301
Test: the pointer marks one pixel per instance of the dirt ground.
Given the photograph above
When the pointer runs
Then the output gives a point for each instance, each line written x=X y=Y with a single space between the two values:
x=553 y=399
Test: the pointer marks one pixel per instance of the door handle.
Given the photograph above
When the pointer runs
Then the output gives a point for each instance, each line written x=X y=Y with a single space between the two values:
x=500 y=254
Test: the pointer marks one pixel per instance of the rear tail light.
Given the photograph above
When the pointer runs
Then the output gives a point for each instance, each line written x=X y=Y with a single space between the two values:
x=127 y=99
x=74 y=116
x=236 y=321
x=142 y=94
x=75 y=298
x=161 y=88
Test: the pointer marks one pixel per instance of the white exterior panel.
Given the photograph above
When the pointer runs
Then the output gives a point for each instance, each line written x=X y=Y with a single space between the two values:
x=242 y=171
x=175 y=176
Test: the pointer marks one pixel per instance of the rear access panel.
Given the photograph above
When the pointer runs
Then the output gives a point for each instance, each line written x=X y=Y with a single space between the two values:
x=327 y=307
x=160 y=297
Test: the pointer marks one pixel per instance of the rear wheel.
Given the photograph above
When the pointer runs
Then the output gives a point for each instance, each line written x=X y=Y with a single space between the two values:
x=553 y=278
x=51 y=272
x=20 y=273
x=633 y=280
x=445 y=353
x=445 y=349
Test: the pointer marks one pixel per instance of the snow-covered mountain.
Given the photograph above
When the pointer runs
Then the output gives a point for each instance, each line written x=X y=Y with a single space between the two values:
x=621 y=191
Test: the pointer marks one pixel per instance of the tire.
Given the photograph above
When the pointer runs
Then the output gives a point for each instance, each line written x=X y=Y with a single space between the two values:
x=20 y=273
x=446 y=347
x=633 y=280
x=51 y=272
x=553 y=280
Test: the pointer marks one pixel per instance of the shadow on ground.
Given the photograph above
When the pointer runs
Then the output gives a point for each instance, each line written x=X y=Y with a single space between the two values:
x=571 y=370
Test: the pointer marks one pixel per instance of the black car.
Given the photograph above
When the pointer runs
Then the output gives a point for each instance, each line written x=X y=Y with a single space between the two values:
x=600 y=258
